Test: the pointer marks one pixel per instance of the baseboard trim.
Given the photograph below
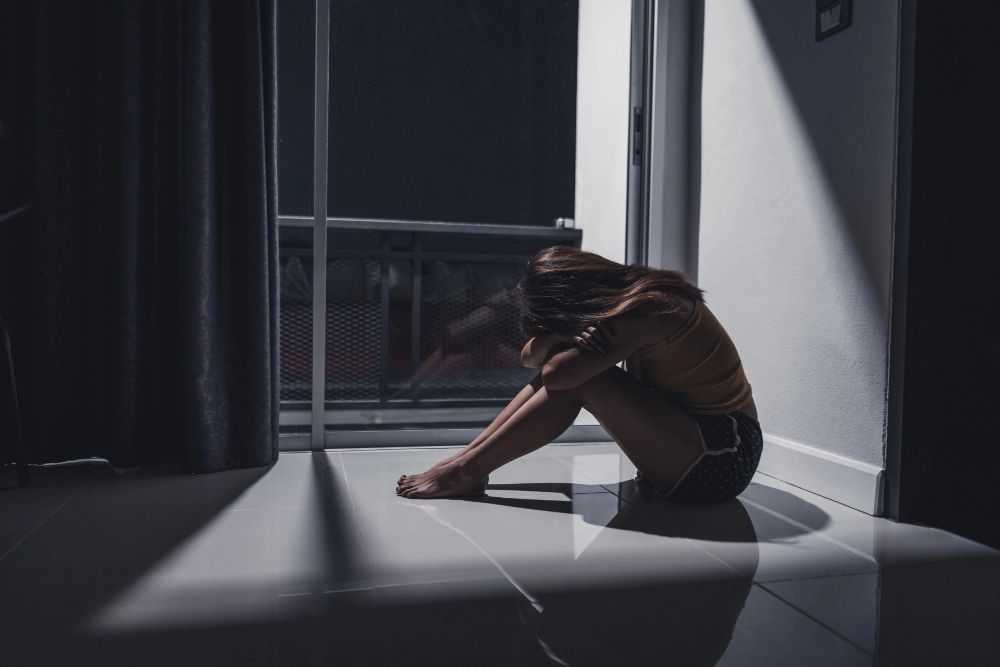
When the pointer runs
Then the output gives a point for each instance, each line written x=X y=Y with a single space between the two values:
x=441 y=437
x=838 y=478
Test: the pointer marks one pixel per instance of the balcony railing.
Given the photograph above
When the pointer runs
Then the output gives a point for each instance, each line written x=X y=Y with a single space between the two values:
x=418 y=314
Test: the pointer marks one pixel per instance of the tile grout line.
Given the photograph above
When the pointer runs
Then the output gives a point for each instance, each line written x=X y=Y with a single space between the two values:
x=617 y=495
x=811 y=617
x=802 y=526
x=818 y=495
x=347 y=482
x=354 y=511
x=49 y=516
x=713 y=556
x=432 y=512
x=816 y=576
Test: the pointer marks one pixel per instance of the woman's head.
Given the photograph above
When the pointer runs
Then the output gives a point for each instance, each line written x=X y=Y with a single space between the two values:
x=565 y=289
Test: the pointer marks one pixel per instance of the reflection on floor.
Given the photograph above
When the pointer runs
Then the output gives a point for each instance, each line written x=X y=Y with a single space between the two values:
x=565 y=562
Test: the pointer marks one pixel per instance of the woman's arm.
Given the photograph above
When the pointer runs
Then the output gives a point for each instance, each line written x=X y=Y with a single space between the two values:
x=539 y=349
x=571 y=367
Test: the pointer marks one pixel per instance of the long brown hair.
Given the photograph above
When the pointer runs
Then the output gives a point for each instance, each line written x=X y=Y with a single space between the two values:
x=565 y=289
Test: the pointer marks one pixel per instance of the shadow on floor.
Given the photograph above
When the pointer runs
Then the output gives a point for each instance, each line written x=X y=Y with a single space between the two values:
x=121 y=527
x=77 y=559
x=645 y=512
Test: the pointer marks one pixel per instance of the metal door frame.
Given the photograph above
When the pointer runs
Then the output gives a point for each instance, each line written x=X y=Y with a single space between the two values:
x=640 y=131
x=320 y=166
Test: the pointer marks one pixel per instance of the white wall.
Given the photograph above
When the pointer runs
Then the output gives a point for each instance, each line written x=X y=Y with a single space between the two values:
x=602 y=124
x=795 y=246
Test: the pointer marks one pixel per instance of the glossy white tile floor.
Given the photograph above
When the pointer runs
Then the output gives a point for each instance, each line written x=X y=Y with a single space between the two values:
x=316 y=561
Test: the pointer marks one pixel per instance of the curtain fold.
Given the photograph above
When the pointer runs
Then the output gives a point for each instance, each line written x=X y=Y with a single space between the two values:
x=145 y=314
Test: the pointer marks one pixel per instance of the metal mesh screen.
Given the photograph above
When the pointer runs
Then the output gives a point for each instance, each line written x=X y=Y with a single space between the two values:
x=470 y=342
x=353 y=329
x=412 y=319
x=296 y=328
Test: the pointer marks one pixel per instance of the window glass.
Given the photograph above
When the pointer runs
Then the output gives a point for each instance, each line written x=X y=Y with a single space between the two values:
x=453 y=111
x=296 y=96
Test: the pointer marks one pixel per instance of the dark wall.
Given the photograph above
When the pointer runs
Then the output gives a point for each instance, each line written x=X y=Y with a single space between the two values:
x=17 y=162
x=16 y=89
x=948 y=460
x=16 y=165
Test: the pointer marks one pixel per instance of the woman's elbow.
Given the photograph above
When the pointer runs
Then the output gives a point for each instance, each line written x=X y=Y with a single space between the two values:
x=527 y=361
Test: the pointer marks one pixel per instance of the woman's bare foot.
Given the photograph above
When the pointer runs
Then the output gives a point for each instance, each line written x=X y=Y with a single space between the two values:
x=445 y=480
x=406 y=480
x=437 y=467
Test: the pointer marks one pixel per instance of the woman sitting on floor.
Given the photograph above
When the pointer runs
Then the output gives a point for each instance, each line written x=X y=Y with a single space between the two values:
x=683 y=412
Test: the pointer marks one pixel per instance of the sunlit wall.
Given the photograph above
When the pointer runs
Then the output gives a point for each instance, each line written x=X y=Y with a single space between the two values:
x=602 y=124
x=796 y=212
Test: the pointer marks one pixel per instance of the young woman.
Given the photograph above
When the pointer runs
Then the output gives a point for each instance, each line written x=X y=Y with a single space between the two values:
x=683 y=412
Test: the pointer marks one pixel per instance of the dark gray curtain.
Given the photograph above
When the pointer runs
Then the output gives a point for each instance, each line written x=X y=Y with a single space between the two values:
x=143 y=287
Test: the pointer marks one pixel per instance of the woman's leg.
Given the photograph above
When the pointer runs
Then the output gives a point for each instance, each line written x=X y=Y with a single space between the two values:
x=658 y=437
x=537 y=421
x=512 y=407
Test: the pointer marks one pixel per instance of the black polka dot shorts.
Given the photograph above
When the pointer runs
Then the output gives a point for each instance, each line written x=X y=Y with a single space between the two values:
x=732 y=446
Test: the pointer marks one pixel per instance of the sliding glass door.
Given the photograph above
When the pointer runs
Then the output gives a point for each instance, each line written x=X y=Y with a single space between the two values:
x=440 y=138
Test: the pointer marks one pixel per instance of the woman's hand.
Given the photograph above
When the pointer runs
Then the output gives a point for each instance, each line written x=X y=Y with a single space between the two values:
x=596 y=338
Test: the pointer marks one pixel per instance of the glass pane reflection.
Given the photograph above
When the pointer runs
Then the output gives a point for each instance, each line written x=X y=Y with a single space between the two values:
x=470 y=344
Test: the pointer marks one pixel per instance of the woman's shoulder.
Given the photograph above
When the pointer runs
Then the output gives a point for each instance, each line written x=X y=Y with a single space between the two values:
x=685 y=306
